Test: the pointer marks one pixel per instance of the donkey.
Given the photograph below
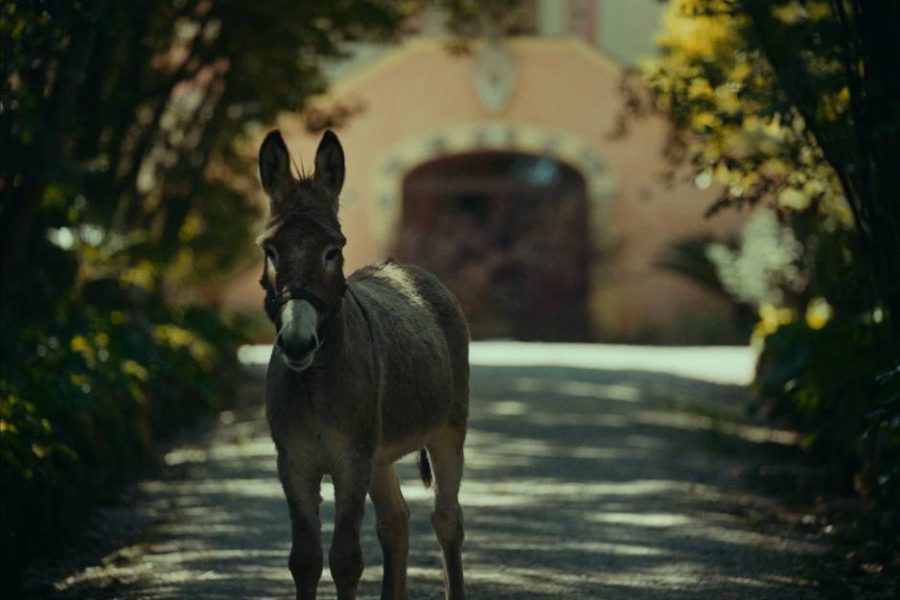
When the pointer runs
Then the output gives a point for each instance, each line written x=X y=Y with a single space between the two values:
x=364 y=370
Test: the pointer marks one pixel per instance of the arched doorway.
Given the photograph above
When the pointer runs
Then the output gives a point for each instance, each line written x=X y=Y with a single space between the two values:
x=508 y=232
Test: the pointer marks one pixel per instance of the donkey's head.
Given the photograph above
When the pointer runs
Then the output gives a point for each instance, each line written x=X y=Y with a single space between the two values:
x=303 y=267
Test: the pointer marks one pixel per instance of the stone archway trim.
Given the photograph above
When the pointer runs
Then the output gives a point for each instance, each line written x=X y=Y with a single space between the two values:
x=400 y=159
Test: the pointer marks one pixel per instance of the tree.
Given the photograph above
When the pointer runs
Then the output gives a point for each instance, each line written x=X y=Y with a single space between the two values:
x=796 y=103
x=846 y=52
x=119 y=123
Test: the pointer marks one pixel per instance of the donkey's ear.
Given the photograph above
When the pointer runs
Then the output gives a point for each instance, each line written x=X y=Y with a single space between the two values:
x=330 y=163
x=275 y=166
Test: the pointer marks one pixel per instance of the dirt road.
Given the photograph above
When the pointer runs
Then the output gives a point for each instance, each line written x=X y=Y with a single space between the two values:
x=592 y=472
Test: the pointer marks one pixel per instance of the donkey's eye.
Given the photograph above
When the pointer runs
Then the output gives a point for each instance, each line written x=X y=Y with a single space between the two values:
x=331 y=255
x=270 y=253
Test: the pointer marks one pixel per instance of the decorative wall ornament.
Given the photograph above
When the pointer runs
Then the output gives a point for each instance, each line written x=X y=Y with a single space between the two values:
x=494 y=75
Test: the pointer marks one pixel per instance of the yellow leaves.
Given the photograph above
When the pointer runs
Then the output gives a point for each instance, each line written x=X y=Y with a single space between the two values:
x=190 y=229
x=749 y=179
x=818 y=313
x=694 y=36
x=101 y=338
x=738 y=181
x=740 y=71
x=793 y=199
x=700 y=88
x=40 y=450
x=843 y=95
x=771 y=318
x=795 y=12
x=818 y=10
x=703 y=120
x=815 y=187
x=142 y=275
x=836 y=206
x=764 y=136
x=722 y=174
x=724 y=98
x=789 y=14
x=775 y=167
x=179 y=337
x=727 y=99
x=91 y=349
x=81 y=381
x=135 y=369
x=173 y=335
x=81 y=345
x=833 y=107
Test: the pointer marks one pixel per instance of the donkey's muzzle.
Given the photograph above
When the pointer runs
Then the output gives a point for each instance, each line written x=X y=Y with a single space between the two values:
x=298 y=338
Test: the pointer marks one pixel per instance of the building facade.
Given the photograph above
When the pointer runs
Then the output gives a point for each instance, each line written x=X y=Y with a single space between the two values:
x=498 y=169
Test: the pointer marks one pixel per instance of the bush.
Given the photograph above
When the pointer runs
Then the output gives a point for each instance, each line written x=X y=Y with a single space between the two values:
x=818 y=378
x=84 y=398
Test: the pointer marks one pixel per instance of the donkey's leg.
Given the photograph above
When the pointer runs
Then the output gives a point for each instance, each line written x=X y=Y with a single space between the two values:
x=393 y=529
x=446 y=453
x=345 y=559
x=302 y=491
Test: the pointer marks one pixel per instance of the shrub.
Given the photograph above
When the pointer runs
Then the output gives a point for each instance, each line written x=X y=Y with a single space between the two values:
x=810 y=379
x=82 y=401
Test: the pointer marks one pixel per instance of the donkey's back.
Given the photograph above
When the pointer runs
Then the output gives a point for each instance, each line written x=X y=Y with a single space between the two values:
x=422 y=343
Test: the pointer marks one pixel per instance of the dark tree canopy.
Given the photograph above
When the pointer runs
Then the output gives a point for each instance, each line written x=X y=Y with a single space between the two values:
x=119 y=122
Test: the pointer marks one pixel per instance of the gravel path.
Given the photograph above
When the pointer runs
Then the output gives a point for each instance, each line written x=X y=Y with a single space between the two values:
x=592 y=472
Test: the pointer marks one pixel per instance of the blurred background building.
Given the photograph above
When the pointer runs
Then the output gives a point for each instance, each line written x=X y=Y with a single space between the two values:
x=496 y=166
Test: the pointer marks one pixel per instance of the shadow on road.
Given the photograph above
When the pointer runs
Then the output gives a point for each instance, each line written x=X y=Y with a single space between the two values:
x=580 y=483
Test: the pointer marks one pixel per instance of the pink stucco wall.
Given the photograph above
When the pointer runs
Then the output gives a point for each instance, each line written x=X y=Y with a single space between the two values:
x=561 y=85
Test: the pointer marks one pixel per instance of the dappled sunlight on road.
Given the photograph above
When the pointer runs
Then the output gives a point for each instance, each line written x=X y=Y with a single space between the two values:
x=718 y=364
x=604 y=482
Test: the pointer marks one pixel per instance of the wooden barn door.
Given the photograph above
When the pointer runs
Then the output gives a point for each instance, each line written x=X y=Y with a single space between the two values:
x=508 y=233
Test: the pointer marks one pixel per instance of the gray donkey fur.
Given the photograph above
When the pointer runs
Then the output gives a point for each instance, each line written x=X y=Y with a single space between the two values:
x=364 y=371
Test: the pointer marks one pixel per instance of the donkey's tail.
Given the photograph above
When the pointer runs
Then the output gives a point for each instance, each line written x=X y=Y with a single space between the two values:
x=424 y=467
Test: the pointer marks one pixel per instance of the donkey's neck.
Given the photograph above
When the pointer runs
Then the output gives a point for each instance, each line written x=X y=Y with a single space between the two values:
x=332 y=334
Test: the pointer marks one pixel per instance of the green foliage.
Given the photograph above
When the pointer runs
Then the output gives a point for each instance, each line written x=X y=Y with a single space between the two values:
x=128 y=117
x=84 y=397
x=732 y=120
x=793 y=103
x=810 y=380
